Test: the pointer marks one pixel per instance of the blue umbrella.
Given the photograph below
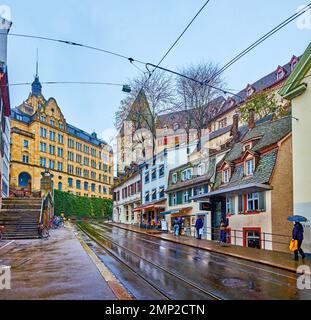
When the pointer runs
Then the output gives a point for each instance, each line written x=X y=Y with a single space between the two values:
x=297 y=219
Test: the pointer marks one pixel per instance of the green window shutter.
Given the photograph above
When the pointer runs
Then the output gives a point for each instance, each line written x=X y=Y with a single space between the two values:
x=241 y=204
x=262 y=201
x=170 y=200
x=179 y=197
x=233 y=205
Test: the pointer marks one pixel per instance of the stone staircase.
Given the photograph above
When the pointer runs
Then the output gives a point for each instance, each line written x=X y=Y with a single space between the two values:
x=20 y=217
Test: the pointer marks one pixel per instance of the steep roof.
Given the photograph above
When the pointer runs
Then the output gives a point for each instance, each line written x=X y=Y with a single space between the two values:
x=266 y=134
x=196 y=180
x=269 y=132
x=262 y=175
x=219 y=106
x=18 y=115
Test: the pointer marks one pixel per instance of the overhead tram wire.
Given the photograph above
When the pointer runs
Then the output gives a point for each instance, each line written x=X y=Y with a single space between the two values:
x=243 y=53
x=203 y=83
x=181 y=35
x=170 y=49
x=264 y=37
x=76 y=44
x=67 y=82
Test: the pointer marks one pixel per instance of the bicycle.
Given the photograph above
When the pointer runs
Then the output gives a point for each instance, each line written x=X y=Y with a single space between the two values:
x=44 y=232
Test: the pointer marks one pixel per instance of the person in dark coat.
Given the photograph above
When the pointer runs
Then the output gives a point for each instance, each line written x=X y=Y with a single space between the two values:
x=199 y=226
x=223 y=233
x=298 y=235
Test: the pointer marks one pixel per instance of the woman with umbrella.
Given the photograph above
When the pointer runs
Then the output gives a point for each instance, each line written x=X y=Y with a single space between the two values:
x=298 y=234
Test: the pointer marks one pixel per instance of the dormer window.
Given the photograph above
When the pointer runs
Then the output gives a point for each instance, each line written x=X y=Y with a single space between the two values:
x=174 y=178
x=249 y=167
x=293 y=62
x=222 y=123
x=176 y=126
x=201 y=169
x=247 y=146
x=187 y=174
x=231 y=102
x=293 y=65
x=280 y=73
x=226 y=176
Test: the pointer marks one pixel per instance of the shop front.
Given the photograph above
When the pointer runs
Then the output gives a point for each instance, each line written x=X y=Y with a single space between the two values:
x=187 y=221
x=151 y=214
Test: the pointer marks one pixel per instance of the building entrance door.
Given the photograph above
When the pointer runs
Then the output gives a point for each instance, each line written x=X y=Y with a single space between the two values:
x=217 y=217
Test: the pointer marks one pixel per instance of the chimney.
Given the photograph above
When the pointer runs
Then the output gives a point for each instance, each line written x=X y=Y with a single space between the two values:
x=251 y=119
x=235 y=127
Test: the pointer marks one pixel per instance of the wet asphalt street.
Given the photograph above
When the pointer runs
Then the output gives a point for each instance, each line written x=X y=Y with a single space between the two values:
x=54 y=269
x=153 y=269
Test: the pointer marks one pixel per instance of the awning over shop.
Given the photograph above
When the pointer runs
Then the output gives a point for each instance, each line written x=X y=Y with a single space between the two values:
x=176 y=211
x=150 y=206
x=249 y=188
x=171 y=212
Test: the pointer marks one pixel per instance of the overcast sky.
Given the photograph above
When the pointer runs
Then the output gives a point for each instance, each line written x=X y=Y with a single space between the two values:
x=142 y=29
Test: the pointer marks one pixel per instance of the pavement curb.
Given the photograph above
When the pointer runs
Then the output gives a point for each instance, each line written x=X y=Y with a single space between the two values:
x=117 y=288
x=264 y=262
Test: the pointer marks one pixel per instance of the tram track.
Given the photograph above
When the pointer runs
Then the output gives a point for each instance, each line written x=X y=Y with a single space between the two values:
x=101 y=239
x=219 y=257
x=114 y=256
x=267 y=275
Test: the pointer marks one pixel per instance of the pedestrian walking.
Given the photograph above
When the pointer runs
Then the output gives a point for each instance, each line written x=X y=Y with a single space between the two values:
x=176 y=227
x=180 y=222
x=223 y=233
x=199 y=228
x=298 y=235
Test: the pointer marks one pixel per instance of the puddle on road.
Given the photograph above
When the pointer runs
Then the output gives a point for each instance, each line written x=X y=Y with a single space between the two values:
x=237 y=283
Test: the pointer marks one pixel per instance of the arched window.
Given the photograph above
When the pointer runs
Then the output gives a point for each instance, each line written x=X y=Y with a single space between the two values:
x=60 y=186
x=24 y=180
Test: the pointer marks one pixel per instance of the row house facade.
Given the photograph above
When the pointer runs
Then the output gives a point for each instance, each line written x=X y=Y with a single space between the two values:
x=127 y=197
x=154 y=175
x=252 y=187
x=187 y=181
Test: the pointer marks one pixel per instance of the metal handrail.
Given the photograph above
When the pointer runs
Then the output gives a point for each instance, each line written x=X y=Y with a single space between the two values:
x=233 y=234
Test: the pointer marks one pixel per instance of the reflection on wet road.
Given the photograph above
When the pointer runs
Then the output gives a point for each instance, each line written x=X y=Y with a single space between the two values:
x=203 y=272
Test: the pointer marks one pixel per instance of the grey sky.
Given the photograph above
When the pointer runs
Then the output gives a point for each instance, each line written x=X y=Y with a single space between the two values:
x=142 y=29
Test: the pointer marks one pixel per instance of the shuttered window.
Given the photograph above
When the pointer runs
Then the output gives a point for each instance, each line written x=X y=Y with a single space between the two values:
x=256 y=202
x=241 y=203
x=262 y=201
